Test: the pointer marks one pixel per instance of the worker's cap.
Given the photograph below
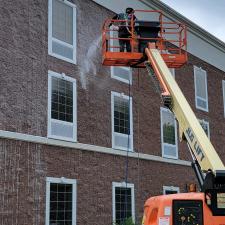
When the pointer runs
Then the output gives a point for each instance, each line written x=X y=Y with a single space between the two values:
x=129 y=10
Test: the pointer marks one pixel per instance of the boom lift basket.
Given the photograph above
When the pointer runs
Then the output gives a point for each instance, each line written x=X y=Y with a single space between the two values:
x=169 y=38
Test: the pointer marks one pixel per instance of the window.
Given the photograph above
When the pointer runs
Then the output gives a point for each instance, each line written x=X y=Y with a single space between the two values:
x=172 y=71
x=62 y=30
x=114 y=42
x=123 y=74
x=60 y=201
x=122 y=126
x=205 y=126
x=62 y=121
x=123 y=202
x=167 y=190
x=168 y=134
x=201 y=93
x=223 y=85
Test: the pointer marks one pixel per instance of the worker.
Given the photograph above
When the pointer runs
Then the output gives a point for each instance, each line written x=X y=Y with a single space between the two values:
x=124 y=29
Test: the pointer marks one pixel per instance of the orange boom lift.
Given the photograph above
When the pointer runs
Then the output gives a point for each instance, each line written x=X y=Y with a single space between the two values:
x=158 y=44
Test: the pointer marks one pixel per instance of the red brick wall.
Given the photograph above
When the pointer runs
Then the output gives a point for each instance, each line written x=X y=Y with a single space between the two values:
x=24 y=167
x=25 y=64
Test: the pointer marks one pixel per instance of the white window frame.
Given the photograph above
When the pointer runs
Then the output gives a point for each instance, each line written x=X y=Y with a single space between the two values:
x=122 y=185
x=114 y=76
x=207 y=124
x=61 y=180
x=121 y=95
x=62 y=76
x=223 y=88
x=172 y=71
x=206 y=88
x=170 y=188
x=166 y=144
x=50 y=38
x=111 y=42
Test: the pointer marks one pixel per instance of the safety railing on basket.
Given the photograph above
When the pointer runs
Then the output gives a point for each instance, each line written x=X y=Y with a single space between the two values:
x=133 y=35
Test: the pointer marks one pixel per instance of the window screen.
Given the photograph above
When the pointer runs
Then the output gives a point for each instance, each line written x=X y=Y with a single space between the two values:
x=62 y=30
x=169 y=134
x=123 y=204
x=62 y=21
x=123 y=74
x=62 y=100
x=60 y=212
x=168 y=128
x=205 y=126
x=201 y=95
x=121 y=115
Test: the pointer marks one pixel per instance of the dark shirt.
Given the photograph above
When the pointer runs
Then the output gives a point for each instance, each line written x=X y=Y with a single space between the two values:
x=124 y=27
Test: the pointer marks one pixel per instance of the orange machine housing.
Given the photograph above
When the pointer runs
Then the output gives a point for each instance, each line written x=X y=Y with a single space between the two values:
x=162 y=210
x=169 y=38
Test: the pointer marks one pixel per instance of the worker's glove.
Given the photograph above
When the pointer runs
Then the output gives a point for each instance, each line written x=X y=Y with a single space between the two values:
x=113 y=27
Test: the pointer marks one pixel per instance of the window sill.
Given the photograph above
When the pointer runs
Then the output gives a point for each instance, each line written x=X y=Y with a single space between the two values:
x=62 y=58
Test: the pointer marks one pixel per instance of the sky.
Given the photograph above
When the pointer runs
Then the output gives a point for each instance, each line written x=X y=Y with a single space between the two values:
x=208 y=14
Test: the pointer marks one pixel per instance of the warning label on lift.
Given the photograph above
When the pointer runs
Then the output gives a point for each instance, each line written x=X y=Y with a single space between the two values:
x=221 y=200
x=164 y=220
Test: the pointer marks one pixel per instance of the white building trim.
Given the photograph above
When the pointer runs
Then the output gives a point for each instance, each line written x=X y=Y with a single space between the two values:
x=87 y=147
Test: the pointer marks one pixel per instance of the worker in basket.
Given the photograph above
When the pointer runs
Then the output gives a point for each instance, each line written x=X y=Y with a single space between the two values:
x=124 y=28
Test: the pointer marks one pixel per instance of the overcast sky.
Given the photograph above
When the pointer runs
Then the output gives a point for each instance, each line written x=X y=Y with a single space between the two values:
x=208 y=14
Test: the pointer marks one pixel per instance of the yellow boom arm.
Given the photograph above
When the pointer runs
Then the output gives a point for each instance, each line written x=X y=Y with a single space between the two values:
x=189 y=126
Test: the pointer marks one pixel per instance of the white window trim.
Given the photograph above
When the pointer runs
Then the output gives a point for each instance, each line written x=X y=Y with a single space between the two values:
x=223 y=87
x=197 y=97
x=170 y=188
x=50 y=38
x=61 y=180
x=62 y=76
x=172 y=71
x=207 y=124
x=123 y=185
x=165 y=144
x=119 y=78
x=121 y=95
x=111 y=42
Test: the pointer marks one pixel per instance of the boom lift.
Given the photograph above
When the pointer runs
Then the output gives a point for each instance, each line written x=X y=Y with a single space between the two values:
x=158 y=46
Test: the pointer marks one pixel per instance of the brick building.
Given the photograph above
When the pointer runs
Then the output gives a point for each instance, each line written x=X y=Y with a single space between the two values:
x=65 y=118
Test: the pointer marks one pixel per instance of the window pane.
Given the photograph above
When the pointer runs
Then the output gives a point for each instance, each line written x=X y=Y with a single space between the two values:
x=62 y=100
x=205 y=126
x=60 y=204
x=121 y=115
x=168 y=192
x=168 y=128
x=62 y=21
x=123 y=204
x=122 y=73
x=200 y=84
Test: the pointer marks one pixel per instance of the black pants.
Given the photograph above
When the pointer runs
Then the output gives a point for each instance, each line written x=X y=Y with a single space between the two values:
x=124 y=43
